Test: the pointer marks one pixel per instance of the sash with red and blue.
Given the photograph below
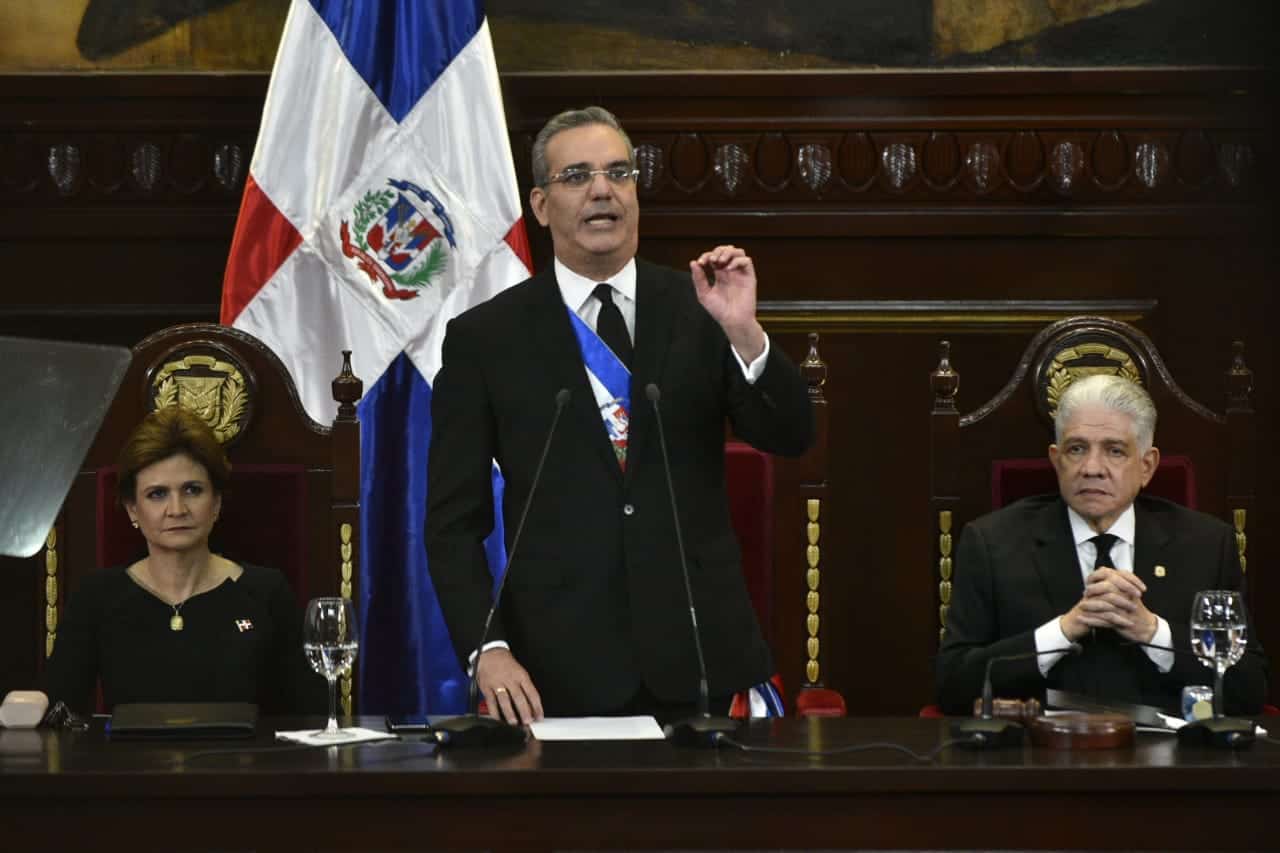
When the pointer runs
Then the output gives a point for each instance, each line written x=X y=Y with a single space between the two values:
x=610 y=383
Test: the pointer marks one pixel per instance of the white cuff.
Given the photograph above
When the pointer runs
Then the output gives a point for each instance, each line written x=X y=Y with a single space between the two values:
x=492 y=644
x=1049 y=636
x=1164 y=637
x=753 y=370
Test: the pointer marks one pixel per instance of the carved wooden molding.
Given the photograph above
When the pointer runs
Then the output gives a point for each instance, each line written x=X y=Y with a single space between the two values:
x=1239 y=518
x=177 y=313
x=944 y=570
x=931 y=315
x=73 y=166
x=51 y=584
x=1028 y=166
x=1025 y=138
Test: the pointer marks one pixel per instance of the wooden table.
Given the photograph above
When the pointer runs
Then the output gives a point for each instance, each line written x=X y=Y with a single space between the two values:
x=62 y=791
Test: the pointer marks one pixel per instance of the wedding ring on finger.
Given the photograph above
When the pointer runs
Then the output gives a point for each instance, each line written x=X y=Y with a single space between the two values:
x=499 y=690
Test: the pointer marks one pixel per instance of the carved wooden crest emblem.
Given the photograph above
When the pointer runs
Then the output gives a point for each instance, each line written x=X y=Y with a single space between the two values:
x=210 y=382
x=1077 y=360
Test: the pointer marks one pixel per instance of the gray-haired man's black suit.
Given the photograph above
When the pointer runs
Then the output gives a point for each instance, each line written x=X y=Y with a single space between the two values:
x=1017 y=568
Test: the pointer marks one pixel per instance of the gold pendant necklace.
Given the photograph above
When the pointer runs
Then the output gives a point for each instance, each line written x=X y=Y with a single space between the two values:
x=176 y=622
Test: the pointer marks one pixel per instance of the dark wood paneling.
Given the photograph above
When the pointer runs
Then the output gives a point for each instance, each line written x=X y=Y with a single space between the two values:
x=886 y=210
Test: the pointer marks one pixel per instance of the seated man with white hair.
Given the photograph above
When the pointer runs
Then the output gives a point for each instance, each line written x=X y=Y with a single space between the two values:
x=1098 y=565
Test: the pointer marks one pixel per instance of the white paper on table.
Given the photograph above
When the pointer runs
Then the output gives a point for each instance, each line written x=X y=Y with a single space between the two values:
x=1175 y=723
x=597 y=728
x=355 y=734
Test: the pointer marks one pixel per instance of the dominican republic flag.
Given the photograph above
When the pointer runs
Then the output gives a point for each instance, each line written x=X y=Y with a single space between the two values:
x=381 y=202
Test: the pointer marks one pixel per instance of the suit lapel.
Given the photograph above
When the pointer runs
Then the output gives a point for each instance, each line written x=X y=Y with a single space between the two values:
x=1150 y=549
x=556 y=344
x=1055 y=558
x=655 y=320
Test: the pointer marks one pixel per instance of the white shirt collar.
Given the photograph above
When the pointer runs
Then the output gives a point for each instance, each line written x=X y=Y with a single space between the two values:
x=576 y=289
x=1123 y=529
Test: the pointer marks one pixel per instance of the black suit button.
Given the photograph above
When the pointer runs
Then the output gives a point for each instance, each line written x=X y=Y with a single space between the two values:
x=628 y=509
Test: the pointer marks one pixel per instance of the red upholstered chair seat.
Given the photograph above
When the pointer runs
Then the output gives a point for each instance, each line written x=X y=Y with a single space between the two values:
x=820 y=702
x=749 y=479
x=1012 y=479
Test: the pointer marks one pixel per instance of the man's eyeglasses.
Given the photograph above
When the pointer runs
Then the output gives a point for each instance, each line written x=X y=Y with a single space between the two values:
x=579 y=178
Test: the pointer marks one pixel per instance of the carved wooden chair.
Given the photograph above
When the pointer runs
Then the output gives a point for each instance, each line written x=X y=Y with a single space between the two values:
x=814 y=699
x=293 y=500
x=996 y=453
x=750 y=480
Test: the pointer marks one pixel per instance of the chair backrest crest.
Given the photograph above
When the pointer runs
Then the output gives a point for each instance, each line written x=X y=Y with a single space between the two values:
x=210 y=380
x=1082 y=346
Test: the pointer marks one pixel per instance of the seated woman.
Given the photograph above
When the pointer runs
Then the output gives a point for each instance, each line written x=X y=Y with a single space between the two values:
x=182 y=624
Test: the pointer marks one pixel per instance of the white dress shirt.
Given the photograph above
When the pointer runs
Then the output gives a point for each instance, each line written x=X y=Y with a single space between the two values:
x=1049 y=636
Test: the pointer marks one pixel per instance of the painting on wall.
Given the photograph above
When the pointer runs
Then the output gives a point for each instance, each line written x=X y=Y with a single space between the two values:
x=606 y=35
x=140 y=35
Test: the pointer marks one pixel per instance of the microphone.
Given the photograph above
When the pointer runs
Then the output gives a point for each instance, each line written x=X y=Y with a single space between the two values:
x=1219 y=730
x=702 y=729
x=471 y=729
x=987 y=732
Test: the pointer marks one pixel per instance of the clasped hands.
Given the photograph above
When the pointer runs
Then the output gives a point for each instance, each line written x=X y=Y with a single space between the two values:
x=1112 y=599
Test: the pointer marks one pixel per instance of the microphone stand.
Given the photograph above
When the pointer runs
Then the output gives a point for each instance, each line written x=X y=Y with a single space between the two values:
x=702 y=729
x=471 y=729
x=988 y=731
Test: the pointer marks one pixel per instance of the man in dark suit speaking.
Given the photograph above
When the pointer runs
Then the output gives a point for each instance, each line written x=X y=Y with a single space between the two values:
x=594 y=618
x=1099 y=565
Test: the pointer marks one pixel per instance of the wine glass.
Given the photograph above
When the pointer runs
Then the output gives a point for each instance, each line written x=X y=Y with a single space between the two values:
x=1219 y=634
x=329 y=642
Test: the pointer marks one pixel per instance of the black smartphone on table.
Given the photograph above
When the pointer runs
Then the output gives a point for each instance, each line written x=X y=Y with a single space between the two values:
x=408 y=724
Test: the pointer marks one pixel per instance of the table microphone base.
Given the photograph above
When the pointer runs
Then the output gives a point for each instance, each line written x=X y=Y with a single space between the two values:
x=1222 y=732
x=472 y=730
x=702 y=730
x=993 y=733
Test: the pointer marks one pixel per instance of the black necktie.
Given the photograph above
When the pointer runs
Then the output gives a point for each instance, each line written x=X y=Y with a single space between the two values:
x=610 y=326
x=1112 y=660
x=1104 y=542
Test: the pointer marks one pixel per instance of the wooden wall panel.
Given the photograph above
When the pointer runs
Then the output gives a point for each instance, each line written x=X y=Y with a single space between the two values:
x=886 y=211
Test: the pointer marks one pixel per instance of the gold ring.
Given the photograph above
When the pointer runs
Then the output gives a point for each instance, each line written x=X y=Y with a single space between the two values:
x=499 y=690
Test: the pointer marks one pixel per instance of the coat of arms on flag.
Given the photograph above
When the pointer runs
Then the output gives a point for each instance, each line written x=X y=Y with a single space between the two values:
x=394 y=241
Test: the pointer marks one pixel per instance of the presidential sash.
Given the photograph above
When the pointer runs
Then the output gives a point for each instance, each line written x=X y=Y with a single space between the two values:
x=610 y=383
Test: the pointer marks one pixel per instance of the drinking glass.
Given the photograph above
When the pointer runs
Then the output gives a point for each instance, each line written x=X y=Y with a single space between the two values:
x=329 y=641
x=1219 y=634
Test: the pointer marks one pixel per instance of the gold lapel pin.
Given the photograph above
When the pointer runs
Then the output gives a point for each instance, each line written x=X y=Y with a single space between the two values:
x=1159 y=571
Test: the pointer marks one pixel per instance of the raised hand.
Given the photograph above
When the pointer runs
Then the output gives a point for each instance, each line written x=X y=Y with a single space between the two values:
x=725 y=282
